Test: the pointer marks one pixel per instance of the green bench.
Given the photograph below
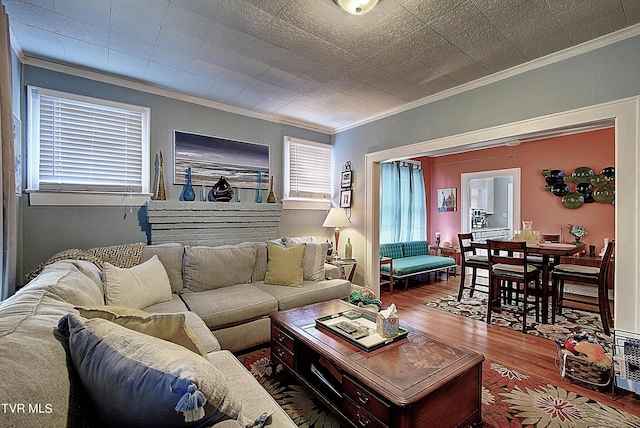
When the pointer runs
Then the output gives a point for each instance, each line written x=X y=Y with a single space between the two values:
x=402 y=260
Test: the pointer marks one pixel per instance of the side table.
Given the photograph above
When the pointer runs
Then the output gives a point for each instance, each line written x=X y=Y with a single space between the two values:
x=341 y=263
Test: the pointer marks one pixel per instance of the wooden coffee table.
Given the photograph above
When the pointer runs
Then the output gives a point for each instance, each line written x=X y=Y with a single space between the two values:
x=418 y=381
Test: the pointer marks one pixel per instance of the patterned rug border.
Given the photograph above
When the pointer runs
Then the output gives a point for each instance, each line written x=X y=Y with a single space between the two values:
x=571 y=321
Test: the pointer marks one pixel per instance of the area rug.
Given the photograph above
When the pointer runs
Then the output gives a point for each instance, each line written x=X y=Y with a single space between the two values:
x=571 y=320
x=509 y=399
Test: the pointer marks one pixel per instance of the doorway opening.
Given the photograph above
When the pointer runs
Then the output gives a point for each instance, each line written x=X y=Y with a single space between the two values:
x=495 y=194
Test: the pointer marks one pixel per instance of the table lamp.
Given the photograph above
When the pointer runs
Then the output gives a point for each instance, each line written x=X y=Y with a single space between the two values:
x=336 y=218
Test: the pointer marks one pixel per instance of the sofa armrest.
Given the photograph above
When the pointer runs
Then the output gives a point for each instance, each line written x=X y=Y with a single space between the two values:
x=332 y=271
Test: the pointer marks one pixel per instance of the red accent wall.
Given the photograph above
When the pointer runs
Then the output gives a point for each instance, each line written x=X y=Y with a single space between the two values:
x=595 y=149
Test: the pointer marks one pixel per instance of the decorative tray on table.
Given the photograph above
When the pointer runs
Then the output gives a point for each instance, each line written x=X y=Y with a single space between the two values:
x=358 y=329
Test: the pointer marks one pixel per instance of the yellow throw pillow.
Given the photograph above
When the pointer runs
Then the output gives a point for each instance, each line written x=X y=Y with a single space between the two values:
x=284 y=265
x=171 y=327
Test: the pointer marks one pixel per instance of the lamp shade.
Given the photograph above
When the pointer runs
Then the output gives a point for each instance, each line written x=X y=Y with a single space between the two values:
x=337 y=217
x=357 y=7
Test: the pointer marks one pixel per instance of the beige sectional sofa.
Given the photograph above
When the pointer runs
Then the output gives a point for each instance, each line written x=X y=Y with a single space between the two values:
x=220 y=296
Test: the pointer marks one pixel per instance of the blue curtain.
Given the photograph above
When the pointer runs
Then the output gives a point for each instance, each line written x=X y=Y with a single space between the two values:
x=403 y=204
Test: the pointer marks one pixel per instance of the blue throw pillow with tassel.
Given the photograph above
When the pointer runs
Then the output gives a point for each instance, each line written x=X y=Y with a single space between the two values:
x=136 y=380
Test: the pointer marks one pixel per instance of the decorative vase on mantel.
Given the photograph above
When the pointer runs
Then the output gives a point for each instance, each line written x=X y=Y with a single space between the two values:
x=271 y=199
x=221 y=191
x=259 y=189
x=188 y=194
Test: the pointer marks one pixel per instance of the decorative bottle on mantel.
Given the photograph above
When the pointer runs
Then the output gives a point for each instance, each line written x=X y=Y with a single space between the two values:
x=188 y=194
x=348 y=250
x=272 y=196
x=259 y=189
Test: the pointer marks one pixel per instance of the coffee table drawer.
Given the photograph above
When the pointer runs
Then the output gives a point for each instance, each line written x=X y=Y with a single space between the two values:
x=282 y=338
x=282 y=354
x=365 y=399
x=361 y=417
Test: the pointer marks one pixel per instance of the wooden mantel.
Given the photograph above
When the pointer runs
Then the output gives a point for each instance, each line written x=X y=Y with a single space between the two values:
x=212 y=223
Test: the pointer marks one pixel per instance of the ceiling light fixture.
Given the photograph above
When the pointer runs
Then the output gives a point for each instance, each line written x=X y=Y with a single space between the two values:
x=512 y=143
x=356 y=7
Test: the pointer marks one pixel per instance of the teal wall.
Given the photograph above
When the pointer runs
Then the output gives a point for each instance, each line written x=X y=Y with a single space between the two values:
x=46 y=230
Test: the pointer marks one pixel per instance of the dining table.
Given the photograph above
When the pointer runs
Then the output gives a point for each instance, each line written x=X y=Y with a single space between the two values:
x=547 y=250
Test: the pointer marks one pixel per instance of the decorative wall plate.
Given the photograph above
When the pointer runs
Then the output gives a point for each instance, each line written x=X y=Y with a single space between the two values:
x=572 y=200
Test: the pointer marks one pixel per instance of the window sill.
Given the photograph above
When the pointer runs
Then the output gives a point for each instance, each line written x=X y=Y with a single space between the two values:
x=306 y=204
x=37 y=197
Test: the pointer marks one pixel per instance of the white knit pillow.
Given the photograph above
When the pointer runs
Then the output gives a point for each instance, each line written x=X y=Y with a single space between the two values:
x=138 y=287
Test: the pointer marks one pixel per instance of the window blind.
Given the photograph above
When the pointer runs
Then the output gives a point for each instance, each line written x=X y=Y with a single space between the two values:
x=90 y=147
x=308 y=169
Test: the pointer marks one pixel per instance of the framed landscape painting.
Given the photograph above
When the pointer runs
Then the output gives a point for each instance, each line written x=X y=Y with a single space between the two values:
x=244 y=165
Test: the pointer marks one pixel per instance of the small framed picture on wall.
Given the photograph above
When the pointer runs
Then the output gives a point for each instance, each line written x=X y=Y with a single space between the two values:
x=345 y=180
x=345 y=199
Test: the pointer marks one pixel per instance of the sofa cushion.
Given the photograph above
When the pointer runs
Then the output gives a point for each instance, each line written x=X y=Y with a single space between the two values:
x=310 y=292
x=260 y=268
x=170 y=254
x=171 y=327
x=231 y=305
x=138 y=287
x=248 y=390
x=393 y=250
x=138 y=380
x=176 y=304
x=72 y=254
x=415 y=248
x=284 y=265
x=208 y=268
x=36 y=365
x=415 y=264
x=70 y=283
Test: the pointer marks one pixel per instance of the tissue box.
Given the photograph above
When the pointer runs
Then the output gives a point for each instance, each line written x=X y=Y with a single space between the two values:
x=387 y=327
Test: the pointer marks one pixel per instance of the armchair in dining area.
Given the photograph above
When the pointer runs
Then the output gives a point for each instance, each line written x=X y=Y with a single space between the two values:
x=601 y=277
x=509 y=266
x=469 y=258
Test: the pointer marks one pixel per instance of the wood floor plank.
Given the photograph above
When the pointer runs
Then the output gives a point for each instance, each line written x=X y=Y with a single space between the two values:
x=529 y=354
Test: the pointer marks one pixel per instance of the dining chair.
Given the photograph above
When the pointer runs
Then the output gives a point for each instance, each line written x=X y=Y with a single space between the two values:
x=470 y=259
x=509 y=266
x=599 y=276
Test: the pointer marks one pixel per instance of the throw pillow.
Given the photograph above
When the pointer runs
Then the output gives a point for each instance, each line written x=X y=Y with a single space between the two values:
x=137 y=287
x=314 y=256
x=123 y=256
x=138 y=380
x=171 y=327
x=284 y=265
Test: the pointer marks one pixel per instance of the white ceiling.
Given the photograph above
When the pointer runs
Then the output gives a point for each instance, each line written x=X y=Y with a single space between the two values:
x=307 y=62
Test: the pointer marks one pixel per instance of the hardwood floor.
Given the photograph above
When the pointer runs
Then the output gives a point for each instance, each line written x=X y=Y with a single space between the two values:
x=529 y=354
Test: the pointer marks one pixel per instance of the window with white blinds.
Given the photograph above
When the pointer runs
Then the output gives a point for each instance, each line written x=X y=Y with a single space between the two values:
x=81 y=144
x=307 y=169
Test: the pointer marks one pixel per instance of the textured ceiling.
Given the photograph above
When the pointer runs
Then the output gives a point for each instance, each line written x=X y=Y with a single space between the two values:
x=307 y=61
